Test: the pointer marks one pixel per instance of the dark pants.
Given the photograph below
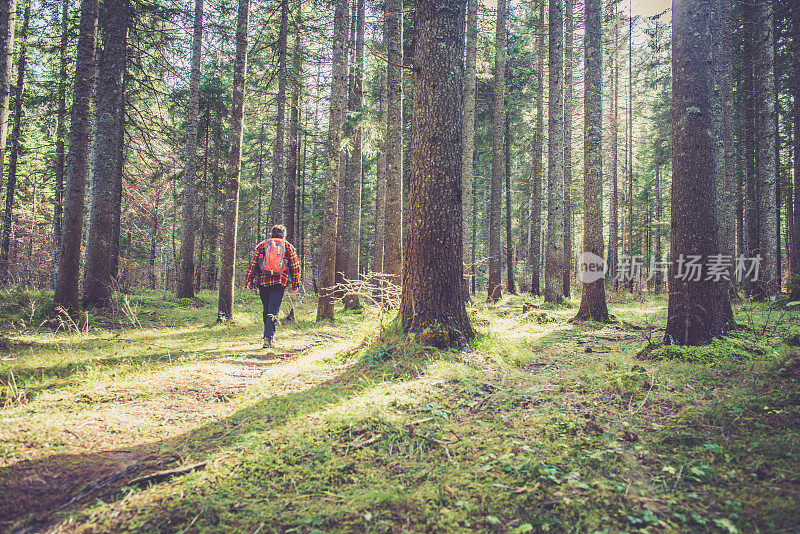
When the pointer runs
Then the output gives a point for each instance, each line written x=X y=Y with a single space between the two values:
x=271 y=297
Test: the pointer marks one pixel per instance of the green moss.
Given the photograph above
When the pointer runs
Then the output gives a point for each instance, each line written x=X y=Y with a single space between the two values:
x=730 y=349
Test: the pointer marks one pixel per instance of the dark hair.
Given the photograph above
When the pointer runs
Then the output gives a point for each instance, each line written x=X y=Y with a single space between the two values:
x=278 y=231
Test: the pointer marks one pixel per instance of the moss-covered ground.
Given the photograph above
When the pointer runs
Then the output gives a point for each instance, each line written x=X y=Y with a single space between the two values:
x=544 y=426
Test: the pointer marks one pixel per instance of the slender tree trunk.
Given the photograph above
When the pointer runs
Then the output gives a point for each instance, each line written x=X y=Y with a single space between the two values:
x=498 y=129
x=294 y=126
x=695 y=311
x=352 y=236
x=554 y=259
x=8 y=216
x=8 y=19
x=119 y=172
x=613 y=234
x=511 y=288
x=393 y=251
x=795 y=255
x=568 y=95
x=380 y=187
x=211 y=274
x=66 y=293
x=629 y=155
x=97 y=288
x=535 y=225
x=593 y=299
x=433 y=302
x=325 y=309
x=657 y=278
x=228 y=256
x=468 y=154
x=186 y=270
x=276 y=215
x=61 y=133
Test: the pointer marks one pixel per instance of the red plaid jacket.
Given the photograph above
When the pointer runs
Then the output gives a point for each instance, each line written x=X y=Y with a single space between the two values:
x=265 y=280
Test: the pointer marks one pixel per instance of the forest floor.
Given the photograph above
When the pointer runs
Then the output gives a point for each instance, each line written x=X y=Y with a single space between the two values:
x=174 y=423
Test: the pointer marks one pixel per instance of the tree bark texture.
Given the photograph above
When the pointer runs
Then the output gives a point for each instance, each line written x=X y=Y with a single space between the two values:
x=393 y=248
x=554 y=257
x=338 y=106
x=380 y=186
x=510 y=286
x=795 y=254
x=593 y=299
x=66 y=292
x=498 y=131
x=278 y=179
x=97 y=288
x=189 y=209
x=8 y=215
x=695 y=310
x=61 y=133
x=613 y=204
x=228 y=254
x=432 y=302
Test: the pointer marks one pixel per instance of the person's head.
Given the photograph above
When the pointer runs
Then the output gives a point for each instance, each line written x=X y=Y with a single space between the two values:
x=278 y=231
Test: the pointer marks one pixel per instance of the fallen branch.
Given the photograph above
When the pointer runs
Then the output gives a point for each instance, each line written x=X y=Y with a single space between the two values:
x=160 y=476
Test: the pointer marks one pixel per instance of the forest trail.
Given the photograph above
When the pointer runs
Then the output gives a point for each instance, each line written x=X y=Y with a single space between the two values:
x=84 y=442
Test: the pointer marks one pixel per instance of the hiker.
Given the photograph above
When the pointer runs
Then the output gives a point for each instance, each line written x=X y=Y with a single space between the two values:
x=274 y=261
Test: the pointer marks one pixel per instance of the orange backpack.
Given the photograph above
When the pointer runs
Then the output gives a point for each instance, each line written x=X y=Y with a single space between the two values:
x=272 y=259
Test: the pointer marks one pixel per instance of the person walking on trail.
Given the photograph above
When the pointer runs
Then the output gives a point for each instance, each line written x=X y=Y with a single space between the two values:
x=275 y=261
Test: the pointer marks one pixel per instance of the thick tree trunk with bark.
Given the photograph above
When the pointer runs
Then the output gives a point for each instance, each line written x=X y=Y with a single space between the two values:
x=11 y=187
x=613 y=204
x=433 y=303
x=696 y=305
x=380 y=187
x=278 y=179
x=764 y=102
x=554 y=258
x=498 y=129
x=231 y=222
x=568 y=104
x=119 y=171
x=327 y=270
x=393 y=248
x=593 y=299
x=510 y=286
x=66 y=292
x=468 y=154
x=97 y=290
x=8 y=20
x=535 y=210
x=189 y=209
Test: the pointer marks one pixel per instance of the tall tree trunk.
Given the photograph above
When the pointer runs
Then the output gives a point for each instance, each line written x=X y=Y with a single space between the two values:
x=498 y=129
x=278 y=179
x=214 y=223
x=468 y=154
x=97 y=288
x=568 y=95
x=433 y=302
x=294 y=126
x=629 y=137
x=613 y=233
x=189 y=209
x=8 y=215
x=593 y=299
x=795 y=255
x=380 y=187
x=657 y=278
x=119 y=172
x=228 y=256
x=509 y=241
x=8 y=20
x=764 y=96
x=751 y=219
x=61 y=133
x=695 y=310
x=325 y=309
x=352 y=238
x=554 y=259
x=66 y=292
x=393 y=247
x=535 y=210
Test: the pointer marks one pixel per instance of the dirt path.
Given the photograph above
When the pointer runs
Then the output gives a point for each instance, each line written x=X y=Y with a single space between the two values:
x=77 y=444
